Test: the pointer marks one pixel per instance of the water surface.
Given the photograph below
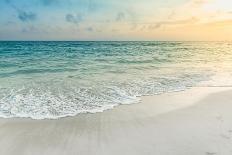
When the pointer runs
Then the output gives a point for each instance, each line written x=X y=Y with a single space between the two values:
x=57 y=79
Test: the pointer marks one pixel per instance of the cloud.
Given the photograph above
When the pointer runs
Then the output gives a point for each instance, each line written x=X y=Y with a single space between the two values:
x=128 y=17
x=227 y=22
x=10 y=23
x=172 y=15
x=134 y=26
x=26 y=16
x=173 y=22
x=23 y=16
x=29 y=29
x=89 y=29
x=120 y=16
x=154 y=26
x=199 y=3
x=75 y=19
x=49 y=2
x=115 y=30
x=92 y=6
x=8 y=1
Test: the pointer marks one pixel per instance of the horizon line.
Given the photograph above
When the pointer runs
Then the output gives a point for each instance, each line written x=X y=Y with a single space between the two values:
x=116 y=40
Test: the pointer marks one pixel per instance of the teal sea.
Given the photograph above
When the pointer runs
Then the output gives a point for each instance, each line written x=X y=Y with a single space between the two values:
x=49 y=80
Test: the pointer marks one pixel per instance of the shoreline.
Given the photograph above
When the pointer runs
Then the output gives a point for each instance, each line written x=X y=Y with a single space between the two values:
x=139 y=100
x=194 y=121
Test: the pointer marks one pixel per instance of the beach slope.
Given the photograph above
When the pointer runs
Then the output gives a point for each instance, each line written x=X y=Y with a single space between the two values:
x=193 y=122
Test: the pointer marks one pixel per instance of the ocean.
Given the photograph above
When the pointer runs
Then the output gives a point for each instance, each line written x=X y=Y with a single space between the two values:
x=50 y=80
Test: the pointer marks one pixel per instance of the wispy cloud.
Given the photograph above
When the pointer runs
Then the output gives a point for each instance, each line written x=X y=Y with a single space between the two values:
x=92 y=6
x=26 y=16
x=29 y=29
x=89 y=29
x=7 y=1
x=200 y=2
x=87 y=18
x=120 y=16
x=197 y=3
x=75 y=19
x=173 y=22
x=49 y=2
x=227 y=22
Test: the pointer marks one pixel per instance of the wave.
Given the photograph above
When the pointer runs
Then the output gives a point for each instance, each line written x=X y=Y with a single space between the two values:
x=53 y=101
x=50 y=80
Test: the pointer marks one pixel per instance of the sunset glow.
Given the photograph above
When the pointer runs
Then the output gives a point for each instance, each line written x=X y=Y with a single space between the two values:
x=116 y=20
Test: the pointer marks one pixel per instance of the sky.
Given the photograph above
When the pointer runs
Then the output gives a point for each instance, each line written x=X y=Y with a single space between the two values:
x=171 y=20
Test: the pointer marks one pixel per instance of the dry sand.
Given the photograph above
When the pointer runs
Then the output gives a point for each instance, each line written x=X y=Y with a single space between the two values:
x=194 y=122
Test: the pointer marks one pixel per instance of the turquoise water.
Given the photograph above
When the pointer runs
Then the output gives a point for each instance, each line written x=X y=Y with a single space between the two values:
x=57 y=79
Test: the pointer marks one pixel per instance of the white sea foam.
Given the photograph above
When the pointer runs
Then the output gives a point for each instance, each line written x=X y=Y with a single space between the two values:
x=46 y=102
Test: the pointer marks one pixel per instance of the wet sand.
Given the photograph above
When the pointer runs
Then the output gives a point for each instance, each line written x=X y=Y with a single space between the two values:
x=197 y=121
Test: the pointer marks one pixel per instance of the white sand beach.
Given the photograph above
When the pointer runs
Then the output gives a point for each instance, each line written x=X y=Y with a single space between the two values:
x=193 y=122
